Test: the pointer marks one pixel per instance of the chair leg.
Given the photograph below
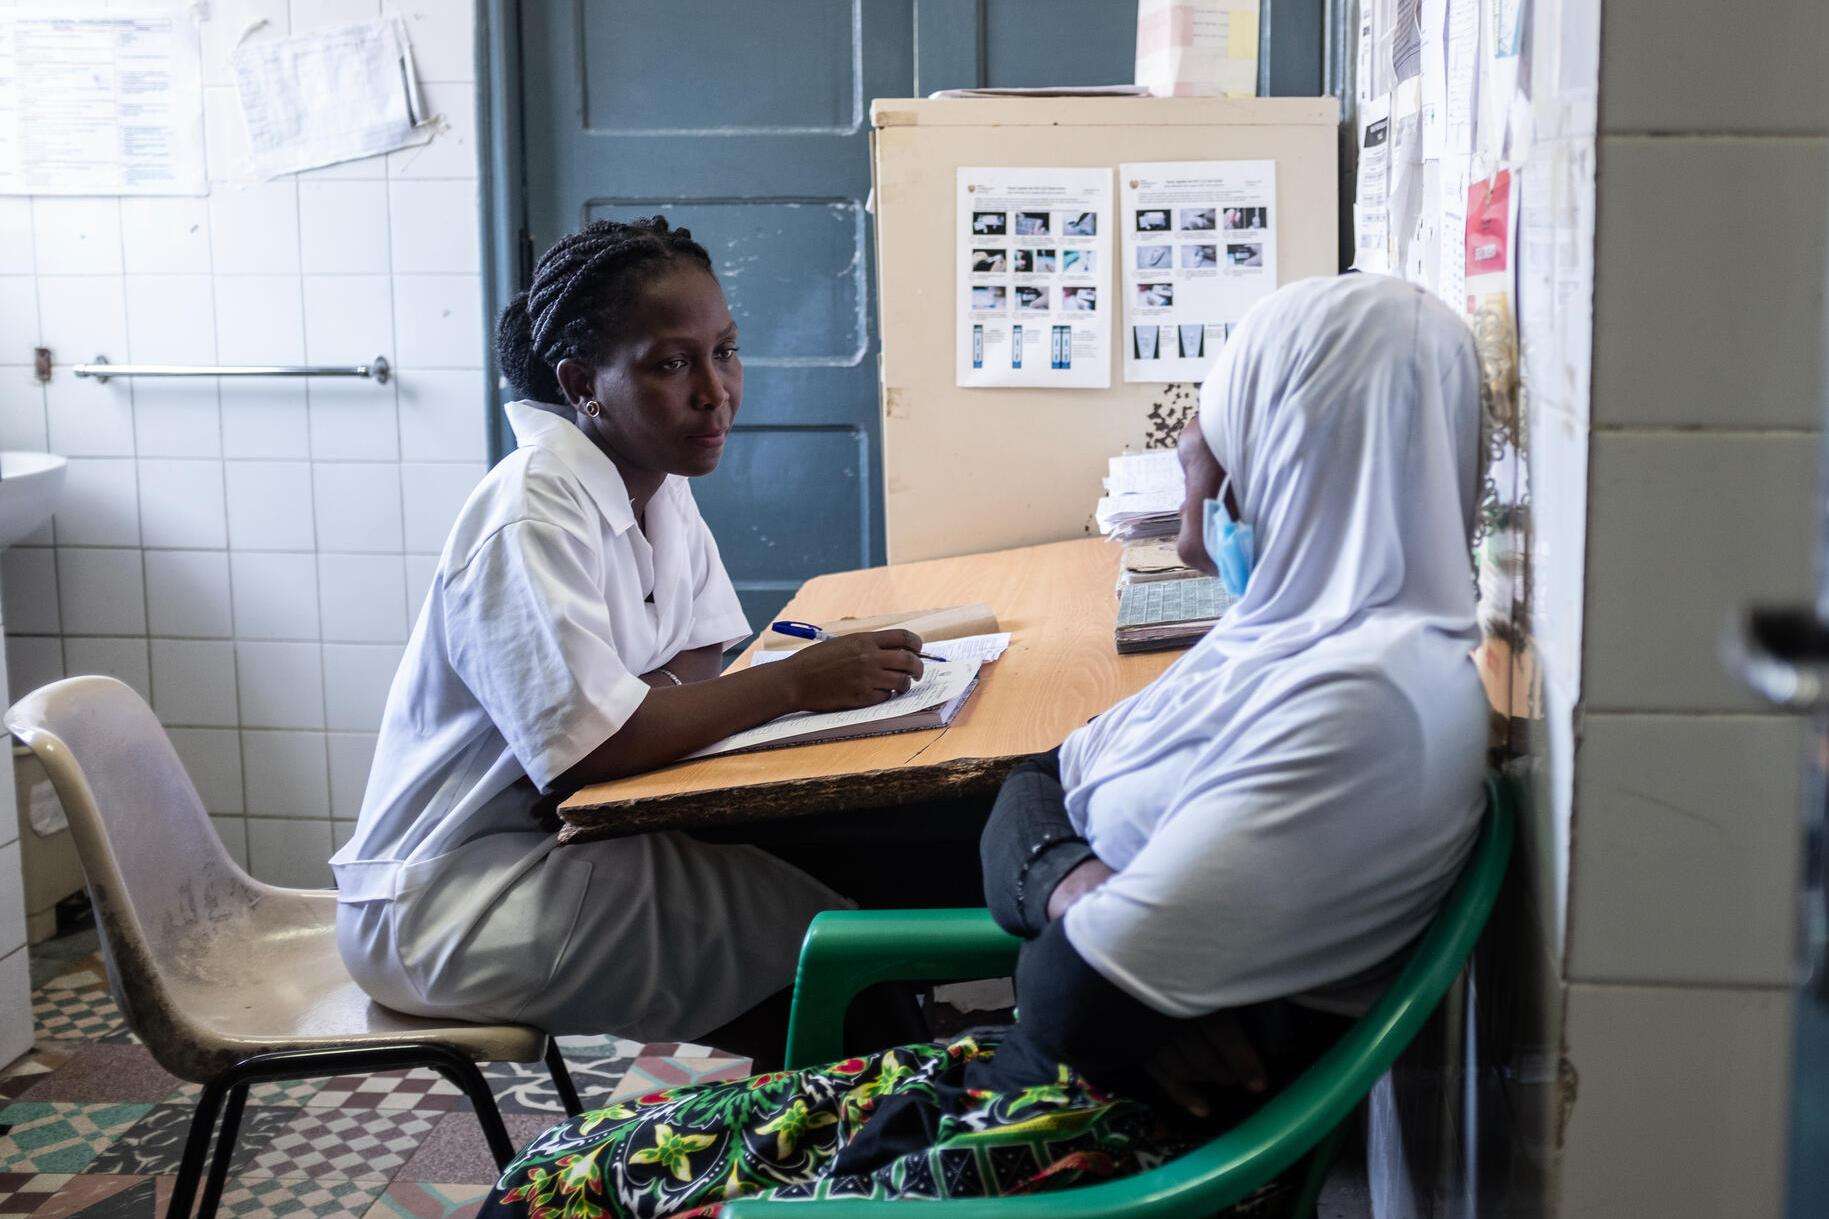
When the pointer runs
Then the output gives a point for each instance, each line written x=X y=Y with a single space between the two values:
x=225 y=1151
x=562 y=1079
x=1314 y=1176
x=190 y=1168
x=462 y=1072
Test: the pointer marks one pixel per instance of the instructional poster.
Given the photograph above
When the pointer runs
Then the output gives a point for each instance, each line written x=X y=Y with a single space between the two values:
x=1034 y=251
x=1199 y=250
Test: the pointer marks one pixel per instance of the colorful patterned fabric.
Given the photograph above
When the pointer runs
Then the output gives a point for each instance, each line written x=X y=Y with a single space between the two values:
x=809 y=1134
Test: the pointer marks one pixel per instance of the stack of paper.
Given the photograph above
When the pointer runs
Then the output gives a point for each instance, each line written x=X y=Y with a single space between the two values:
x=931 y=702
x=1143 y=494
x=1146 y=562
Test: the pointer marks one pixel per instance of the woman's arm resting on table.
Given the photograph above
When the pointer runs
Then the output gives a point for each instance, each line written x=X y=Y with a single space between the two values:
x=698 y=664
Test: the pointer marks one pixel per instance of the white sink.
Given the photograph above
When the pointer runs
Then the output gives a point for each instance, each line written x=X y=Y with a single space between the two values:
x=29 y=486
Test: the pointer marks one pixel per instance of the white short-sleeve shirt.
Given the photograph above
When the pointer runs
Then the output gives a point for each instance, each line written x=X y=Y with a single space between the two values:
x=547 y=605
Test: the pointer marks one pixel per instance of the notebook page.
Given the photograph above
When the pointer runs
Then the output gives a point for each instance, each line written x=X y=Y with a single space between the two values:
x=982 y=648
x=943 y=682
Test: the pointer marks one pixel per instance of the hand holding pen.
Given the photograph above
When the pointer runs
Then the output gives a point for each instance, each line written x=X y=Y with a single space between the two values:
x=806 y=630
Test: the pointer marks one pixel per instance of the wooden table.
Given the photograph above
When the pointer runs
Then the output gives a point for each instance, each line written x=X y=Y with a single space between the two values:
x=1060 y=670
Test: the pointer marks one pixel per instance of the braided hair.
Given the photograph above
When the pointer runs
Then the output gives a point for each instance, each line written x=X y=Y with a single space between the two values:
x=580 y=292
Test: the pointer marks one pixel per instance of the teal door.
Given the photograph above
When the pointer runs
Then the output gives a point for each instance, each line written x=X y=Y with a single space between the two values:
x=748 y=121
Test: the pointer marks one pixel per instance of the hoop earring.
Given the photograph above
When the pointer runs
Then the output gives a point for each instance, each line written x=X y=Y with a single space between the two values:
x=593 y=408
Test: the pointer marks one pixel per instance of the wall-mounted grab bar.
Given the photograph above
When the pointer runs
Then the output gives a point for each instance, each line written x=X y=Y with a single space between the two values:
x=376 y=369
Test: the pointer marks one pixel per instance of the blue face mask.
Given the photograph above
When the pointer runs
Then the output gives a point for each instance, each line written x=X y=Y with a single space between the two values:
x=1230 y=544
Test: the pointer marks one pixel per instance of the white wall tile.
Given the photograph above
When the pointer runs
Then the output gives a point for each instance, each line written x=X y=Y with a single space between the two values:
x=444 y=415
x=434 y=494
x=276 y=595
x=234 y=834
x=77 y=236
x=171 y=319
x=358 y=506
x=452 y=152
x=222 y=33
x=100 y=503
x=12 y=895
x=83 y=316
x=16 y=236
x=264 y=418
x=118 y=657
x=194 y=682
x=443 y=49
x=353 y=420
x=270 y=505
x=356 y=681
x=181 y=503
x=101 y=592
x=281 y=685
x=287 y=774
x=177 y=418
x=22 y=421
x=187 y=593
x=364 y=597
x=316 y=14
x=28 y=583
x=212 y=758
x=351 y=754
x=348 y=320
x=438 y=321
x=165 y=235
x=435 y=226
x=16 y=1029
x=420 y=569
x=87 y=419
x=292 y=853
x=254 y=230
x=1684 y=530
x=341 y=832
x=260 y=319
x=19 y=314
x=343 y=226
x=225 y=137
x=32 y=661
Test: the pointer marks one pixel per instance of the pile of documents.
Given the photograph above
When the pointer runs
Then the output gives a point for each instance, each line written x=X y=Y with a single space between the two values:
x=1142 y=496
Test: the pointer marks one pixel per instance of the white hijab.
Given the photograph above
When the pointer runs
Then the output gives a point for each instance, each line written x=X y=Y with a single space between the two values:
x=1289 y=802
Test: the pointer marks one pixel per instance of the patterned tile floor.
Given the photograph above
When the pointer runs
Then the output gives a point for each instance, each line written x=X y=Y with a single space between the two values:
x=91 y=1126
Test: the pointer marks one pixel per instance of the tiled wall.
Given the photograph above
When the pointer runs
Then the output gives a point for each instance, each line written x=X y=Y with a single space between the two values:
x=250 y=555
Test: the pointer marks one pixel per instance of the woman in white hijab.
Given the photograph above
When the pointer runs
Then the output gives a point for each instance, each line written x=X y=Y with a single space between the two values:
x=1253 y=838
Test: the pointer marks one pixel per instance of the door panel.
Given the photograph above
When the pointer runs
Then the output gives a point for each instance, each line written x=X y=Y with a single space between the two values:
x=1029 y=43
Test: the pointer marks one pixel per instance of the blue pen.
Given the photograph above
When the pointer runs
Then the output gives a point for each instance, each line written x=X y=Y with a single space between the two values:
x=806 y=630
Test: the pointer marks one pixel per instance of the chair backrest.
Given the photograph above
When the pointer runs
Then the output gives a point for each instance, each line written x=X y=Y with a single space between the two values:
x=158 y=874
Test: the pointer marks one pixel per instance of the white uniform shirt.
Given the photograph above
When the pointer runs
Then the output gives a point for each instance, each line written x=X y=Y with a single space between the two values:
x=547 y=605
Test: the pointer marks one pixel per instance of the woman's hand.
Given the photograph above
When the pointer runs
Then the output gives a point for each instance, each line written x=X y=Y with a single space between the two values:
x=1077 y=884
x=853 y=670
x=1213 y=1052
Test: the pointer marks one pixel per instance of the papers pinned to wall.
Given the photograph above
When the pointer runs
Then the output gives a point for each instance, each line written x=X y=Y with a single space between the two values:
x=329 y=95
x=100 y=102
x=1197 y=48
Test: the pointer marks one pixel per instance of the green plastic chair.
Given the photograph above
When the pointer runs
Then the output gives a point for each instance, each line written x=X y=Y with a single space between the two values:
x=847 y=951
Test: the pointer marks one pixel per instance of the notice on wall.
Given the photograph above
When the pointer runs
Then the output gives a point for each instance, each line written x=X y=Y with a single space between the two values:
x=100 y=102
x=1199 y=250
x=1034 y=259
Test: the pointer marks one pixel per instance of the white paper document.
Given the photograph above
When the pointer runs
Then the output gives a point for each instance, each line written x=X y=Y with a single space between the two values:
x=100 y=102
x=940 y=685
x=335 y=94
x=1197 y=48
x=1033 y=258
x=1150 y=470
x=1199 y=250
x=981 y=648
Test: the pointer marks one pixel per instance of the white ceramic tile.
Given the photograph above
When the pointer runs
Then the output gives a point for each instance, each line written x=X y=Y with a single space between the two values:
x=100 y=503
x=177 y=418
x=222 y=32
x=19 y=314
x=1686 y=529
x=112 y=656
x=254 y=230
x=1686 y=850
x=264 y=418
x=444 y=415
x=87 y=419
x=276 y=595
x=212 y=758
x=260 y=319
x=270 y=505
x=181 y=503
x=315 y=14
x=364 y=597
x=435 y=226
x=358 y=506
x=77 y=236
x=187 y=593
x=1675 y=341
x=351 y=753
x=12 y=896
x=16 y=1028
x=291 y=853
x=225 y=138
x=28 y=584
x=444 y=43
x=101 y=592
x=16 y=236
x=341 y=832
x=165 y=235
x=438 y=321
x=22 y=421
x=32 y=661
x=452 y=152
x=83 y=316
x=193 y=682
x=343 y=227
x=434 y=494
x=348 y=320
x=234 y=834
x=1677 y=1101
x=353 y=420
x=420 y=569
x=171 y=319
x=356 y=680
x=281 y=685
x=286 y=774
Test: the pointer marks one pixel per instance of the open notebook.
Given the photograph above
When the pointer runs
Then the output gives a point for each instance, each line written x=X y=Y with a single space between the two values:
x=931 y=702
